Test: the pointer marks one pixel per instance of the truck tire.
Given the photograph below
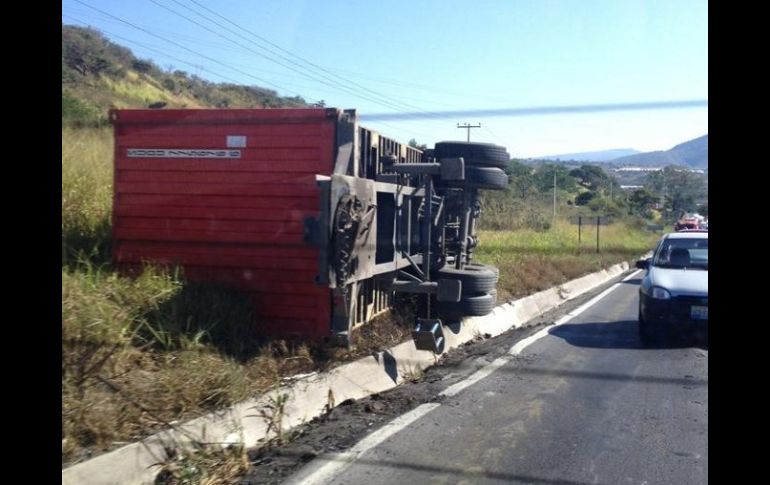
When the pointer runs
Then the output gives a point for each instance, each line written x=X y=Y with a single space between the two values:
x=474 y=280
x=484 y=154
x=488 y=267
x=485 y=178
x=469 y=306
x=491 y=178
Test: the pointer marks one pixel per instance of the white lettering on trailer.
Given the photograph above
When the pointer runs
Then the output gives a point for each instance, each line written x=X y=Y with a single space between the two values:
x=181 y=153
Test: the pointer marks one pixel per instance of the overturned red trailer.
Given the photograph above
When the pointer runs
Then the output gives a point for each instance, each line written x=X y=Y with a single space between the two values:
x=320 y=220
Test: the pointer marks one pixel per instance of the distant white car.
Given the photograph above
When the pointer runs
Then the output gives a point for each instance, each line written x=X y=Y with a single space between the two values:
x=675 y=288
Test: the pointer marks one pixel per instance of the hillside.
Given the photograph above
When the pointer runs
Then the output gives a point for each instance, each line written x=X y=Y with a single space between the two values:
x=693 y=154
x=98 y=74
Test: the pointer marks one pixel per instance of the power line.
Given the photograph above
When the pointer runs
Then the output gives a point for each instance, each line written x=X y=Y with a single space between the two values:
x=220 y=46
x=158 y=51
x=418 y=116
x=183 y=47
x=223 y=46
x=421 y=87
x=493 y=135
x=226 y=47
x=343 y=88
x=210 y=71
x=411 y=132
x=168 y=52
x=316 y=66
x=543 y=110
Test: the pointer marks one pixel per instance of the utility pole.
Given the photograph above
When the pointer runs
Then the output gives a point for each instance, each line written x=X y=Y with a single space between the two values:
x=468 y=127
x=554 y=193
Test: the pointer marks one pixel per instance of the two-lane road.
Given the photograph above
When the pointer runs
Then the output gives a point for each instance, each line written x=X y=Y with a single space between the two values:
x=586 y=403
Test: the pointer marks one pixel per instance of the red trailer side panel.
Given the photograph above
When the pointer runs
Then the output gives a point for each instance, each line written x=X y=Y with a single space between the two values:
x=224 y=194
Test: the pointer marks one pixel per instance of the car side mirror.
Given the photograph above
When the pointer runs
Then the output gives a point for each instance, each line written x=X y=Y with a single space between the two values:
x=643 y=263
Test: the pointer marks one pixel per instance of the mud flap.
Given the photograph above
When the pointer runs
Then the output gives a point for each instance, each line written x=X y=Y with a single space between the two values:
x=428 y=335
x=343 y=309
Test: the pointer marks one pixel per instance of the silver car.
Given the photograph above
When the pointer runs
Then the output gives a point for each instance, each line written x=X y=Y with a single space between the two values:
x=674 y=293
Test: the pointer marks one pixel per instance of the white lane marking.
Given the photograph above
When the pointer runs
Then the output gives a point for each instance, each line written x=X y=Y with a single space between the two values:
x=524 y=343
x=340 y=461
x=632 y=275
x=577 y=311
x=474 y=378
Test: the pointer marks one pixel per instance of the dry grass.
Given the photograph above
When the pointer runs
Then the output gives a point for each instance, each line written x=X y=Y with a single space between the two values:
x=138 y=355
x=532 y=261
x=204 y=465
x=86 y=193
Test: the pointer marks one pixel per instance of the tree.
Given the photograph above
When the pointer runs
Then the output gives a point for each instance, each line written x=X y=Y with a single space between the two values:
x=81 y=50
x=679 y=187
x=520 y=178
x=169 y=84
x=141 y=66
x=584 y=198
x=603 y=206
x=591 y=177
x=544 y=178
x=641 y=200
x=87 y=51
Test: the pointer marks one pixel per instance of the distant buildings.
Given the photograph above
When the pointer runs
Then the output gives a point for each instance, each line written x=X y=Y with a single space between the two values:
x=636 y=169
x=652 y=169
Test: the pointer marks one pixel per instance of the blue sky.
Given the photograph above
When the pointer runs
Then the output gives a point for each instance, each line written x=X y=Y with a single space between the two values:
x=446 y=55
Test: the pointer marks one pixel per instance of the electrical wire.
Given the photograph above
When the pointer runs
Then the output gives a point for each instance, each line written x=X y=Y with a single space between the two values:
x=185 y=48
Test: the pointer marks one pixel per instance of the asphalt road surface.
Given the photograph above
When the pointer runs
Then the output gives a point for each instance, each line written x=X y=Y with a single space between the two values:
x=586 y=403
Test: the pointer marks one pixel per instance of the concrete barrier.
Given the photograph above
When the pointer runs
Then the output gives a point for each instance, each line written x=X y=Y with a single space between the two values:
x=309 y=396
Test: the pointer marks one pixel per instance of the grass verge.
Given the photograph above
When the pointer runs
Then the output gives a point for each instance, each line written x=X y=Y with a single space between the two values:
x=531 y=261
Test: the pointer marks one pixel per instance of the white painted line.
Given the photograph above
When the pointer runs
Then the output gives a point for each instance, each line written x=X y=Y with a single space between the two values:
x=524 y=343
x=474 y=378
x=521 y=345
x=577 y=311
x=340 y=461
x=632 y=275
x=128 y=465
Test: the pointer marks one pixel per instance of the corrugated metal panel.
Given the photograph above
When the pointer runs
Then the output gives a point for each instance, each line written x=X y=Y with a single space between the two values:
x=235 y=221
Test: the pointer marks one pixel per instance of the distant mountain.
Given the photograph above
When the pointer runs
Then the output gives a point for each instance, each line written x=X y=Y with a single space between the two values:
x=693 y=154
x=598 y=156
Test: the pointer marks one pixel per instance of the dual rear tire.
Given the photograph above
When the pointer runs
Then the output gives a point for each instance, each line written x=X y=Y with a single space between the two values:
x=479 y=294
x=484 y=164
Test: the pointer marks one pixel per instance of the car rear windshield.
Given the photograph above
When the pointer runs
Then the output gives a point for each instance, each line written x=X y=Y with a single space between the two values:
x=683 y=253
